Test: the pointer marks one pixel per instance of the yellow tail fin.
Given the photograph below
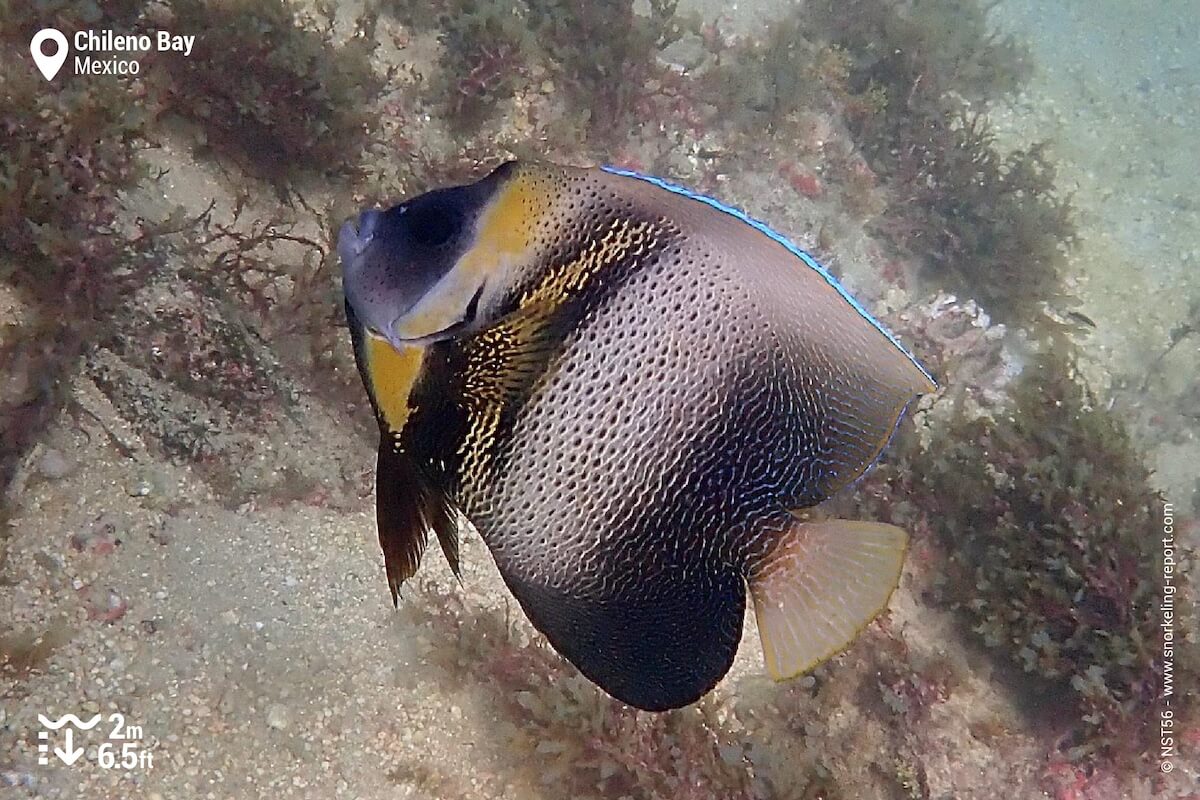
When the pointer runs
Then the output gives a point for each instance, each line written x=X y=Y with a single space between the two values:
x=820 y=587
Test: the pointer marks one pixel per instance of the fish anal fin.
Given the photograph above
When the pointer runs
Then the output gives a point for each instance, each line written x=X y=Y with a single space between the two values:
x=407 y=508
x=820 y=586
x=653 y=652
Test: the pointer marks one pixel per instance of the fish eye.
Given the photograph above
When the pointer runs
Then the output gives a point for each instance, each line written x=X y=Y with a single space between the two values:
x=432 y=224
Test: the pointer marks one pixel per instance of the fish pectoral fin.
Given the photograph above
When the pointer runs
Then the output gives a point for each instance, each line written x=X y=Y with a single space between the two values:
x=820 y=587
x=406 y=509
x=506 y=359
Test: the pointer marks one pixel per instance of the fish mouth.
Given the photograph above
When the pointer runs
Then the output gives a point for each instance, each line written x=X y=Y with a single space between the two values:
x=355 y=236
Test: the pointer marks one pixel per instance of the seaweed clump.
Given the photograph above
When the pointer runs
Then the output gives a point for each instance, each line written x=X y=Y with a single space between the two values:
x=65 y=155
x=598 y=55
x=769 y=80
x=300 y=103
x=912 y=78
x=603 y=53
x=913 y=82
x=1051 y=553
x=989 y=226
x=485 y=54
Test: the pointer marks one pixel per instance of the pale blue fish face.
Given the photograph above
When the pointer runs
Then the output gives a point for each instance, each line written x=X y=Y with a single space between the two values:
x=373 y=288
x=391 y=259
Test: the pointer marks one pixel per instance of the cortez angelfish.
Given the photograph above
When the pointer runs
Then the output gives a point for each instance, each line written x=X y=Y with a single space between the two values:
x=632 y=392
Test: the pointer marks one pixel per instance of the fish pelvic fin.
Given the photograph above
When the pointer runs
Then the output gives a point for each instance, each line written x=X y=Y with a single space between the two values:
x=820 y=587
x=407 y=507
x=447 y=536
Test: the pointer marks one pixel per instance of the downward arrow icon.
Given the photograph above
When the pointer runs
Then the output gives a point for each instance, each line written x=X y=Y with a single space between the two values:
x=68 y=756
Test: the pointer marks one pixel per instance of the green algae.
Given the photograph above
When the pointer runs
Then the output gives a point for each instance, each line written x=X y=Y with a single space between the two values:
x=1047 y=518
x=301 y=104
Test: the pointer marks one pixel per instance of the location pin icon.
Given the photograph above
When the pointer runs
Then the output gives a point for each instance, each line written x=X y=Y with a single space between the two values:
x=49 y=65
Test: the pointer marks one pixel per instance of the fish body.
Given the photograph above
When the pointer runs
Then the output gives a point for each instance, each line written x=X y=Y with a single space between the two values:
x=632 y=392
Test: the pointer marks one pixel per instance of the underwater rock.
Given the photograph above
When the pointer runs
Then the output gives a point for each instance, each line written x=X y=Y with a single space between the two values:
x=188 y=374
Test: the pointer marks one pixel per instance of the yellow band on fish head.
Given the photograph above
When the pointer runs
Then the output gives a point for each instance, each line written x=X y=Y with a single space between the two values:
x=504 y=234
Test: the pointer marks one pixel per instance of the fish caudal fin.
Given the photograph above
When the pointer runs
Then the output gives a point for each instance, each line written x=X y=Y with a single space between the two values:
x=406 y=509
x=820 y=587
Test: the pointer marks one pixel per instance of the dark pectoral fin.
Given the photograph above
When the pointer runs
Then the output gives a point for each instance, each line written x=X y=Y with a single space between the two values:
x=406 y=509
x=505 y=359
x=820 y=587
x=661 y=650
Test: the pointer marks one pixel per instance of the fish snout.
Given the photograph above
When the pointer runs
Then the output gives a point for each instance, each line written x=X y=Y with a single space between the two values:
x=365 y=277
x=356 y=234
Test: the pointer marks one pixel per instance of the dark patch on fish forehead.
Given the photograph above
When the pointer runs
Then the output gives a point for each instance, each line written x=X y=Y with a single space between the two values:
x=405 y=250
x=423 y=234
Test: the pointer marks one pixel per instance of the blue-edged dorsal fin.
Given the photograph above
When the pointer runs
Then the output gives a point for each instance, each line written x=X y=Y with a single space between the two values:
x=799 y=252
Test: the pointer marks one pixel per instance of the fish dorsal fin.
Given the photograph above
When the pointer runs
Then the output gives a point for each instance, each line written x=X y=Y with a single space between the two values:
x=407 y=507
x=820 y=586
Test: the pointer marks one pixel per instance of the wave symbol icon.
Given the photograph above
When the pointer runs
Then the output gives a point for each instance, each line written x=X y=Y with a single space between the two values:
x=71 y=718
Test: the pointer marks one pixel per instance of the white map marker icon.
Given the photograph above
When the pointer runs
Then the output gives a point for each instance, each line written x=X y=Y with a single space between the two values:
x=49 y=65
